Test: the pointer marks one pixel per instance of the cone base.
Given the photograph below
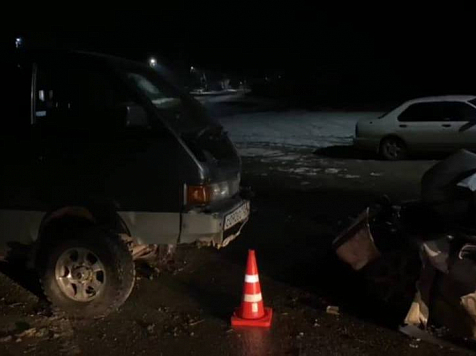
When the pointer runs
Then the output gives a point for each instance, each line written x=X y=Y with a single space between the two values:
x=264 y=322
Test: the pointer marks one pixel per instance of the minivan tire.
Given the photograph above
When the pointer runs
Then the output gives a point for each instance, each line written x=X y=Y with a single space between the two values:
x=87 y=273
x=393 y=149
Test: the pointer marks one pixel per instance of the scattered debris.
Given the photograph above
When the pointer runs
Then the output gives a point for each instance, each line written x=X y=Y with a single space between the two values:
x=193 y=323
x=332 y=309
x=351 y=176
x=355 y=245
x=373 y=174
x=332 y=170
x=43 y=332
x=414 y=343
x=163 y=309
x=418 y=334
x=151 y=328
x=6 y=339
x=27 y=333
x=19 y=335
x=439 y=231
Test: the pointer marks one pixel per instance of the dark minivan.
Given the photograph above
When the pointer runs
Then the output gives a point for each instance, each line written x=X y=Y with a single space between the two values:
x=105 y=162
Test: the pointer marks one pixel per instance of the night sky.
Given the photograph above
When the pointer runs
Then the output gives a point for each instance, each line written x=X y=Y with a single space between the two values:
x=399 y=50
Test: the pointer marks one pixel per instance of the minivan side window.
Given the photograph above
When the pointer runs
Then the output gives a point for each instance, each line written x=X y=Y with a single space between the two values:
x=169 y=104
x=438 y=111
x=17 y=96
x=78 y=95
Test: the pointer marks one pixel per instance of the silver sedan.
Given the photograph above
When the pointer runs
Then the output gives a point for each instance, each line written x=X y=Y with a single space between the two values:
x=432 y=124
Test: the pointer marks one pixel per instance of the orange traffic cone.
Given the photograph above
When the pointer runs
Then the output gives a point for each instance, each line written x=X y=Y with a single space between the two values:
x=252 y=311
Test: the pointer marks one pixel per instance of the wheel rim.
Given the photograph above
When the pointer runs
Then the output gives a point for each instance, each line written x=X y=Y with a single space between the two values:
x=393 y=148
x=80 y=274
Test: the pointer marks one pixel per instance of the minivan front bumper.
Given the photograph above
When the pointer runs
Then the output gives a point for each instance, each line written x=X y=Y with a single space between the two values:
x=218 y=225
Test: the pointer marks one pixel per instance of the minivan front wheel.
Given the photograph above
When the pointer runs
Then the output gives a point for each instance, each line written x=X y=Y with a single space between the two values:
x=87 y=274
x=393 y=149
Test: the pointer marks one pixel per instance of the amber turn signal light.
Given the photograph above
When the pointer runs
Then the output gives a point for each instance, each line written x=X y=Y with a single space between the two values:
x=198 y=195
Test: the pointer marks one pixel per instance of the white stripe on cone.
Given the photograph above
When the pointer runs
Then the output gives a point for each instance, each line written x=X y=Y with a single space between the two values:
x=251 y=278
x=252 y=298
x=254 y=307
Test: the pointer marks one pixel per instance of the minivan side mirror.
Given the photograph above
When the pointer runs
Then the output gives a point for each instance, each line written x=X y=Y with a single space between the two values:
x=136 y=116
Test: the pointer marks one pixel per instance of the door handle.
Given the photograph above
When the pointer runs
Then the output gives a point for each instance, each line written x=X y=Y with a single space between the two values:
x=446 y=125
x=403 y=125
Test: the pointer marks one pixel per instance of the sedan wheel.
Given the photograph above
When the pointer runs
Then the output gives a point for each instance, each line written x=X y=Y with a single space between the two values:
x=393 y=149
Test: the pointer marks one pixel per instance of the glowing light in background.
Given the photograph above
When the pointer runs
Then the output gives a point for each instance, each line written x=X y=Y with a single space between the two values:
x=152 y=62
x=18 y=42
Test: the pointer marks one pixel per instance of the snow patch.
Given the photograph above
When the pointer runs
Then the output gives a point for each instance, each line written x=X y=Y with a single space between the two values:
x=296 y=128
x=258 y=152
x=288 y=157
x=332 y=170
x=306 y=170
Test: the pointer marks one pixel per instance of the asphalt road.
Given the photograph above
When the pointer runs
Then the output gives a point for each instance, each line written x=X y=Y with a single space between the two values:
x=301 y=201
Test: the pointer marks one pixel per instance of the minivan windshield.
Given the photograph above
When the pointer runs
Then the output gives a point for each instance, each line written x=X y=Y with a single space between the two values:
x=183 y=113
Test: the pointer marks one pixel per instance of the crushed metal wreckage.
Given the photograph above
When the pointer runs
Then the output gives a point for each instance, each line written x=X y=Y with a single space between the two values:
x=439 y=232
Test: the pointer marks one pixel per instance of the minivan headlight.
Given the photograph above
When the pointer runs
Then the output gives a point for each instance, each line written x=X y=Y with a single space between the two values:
x=219 y=191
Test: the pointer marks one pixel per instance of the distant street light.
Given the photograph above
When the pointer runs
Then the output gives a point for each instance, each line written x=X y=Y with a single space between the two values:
x=18 y=42
x=152 y=62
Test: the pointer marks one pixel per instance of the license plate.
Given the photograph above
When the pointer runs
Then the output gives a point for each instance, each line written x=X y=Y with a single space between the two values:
x=237 y=216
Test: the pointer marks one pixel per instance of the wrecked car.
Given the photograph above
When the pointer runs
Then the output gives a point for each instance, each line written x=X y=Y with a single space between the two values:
x=439 y=230
x=105 y=162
